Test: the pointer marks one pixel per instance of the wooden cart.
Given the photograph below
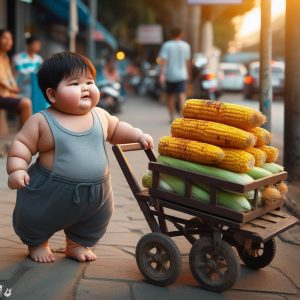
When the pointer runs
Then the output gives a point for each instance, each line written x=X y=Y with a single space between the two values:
x=210 y=228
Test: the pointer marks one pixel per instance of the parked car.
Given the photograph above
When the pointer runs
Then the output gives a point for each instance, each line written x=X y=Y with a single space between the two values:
x=251 y=80
x=232 y=76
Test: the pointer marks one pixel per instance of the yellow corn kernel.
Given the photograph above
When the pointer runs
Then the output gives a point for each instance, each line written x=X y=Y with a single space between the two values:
x=271 y=152
x=212 y=133
x=236 y=160
x=263 y=136
x=259 y=156
x=226 y=113
x=190 y=150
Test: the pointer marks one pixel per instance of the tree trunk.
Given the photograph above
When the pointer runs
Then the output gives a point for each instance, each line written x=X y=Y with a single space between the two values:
x=292 y=91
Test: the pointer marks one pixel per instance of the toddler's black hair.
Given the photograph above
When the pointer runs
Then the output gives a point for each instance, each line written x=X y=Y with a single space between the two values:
x=60 y=66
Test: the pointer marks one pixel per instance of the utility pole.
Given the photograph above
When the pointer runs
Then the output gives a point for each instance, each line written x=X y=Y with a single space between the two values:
x=92 y=21
x=73 y=25
x=292 y=91
x=266 y=93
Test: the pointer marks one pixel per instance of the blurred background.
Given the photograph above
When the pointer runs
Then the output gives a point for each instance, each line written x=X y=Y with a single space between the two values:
x=224 y=38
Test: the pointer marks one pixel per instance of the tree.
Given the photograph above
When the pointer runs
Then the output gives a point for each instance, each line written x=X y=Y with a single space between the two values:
x=292 y=91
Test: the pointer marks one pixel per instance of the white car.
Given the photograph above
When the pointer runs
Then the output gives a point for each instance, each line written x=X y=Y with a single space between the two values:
x=232 y=76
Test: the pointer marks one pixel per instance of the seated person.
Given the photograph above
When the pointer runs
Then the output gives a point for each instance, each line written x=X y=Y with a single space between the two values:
x=9 y=91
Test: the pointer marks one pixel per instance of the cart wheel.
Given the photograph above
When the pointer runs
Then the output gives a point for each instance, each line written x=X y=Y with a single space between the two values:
x=158 y=258
x=215 y=268
x=261 y=254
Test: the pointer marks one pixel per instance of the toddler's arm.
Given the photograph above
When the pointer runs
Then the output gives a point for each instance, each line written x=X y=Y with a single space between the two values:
x=23 y=147
x=120 y=132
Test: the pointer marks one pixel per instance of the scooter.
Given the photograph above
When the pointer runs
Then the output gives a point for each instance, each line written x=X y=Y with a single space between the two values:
x=110 y=96
x=205 y=83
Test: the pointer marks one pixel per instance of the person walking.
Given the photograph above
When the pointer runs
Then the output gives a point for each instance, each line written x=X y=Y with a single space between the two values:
x=9 y=91
x=26 y=63
x=174 y=57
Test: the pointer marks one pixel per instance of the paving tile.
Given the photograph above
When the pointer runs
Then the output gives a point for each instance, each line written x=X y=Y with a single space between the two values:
x=103 y=251
x=117 y=227
x=287 y=260
x=264 y=280
x=121 y=269
x=120 y=239
x=99 y=289
x=45 y=281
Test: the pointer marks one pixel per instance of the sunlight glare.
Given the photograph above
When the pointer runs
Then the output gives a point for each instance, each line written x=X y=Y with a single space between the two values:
x=250 y=22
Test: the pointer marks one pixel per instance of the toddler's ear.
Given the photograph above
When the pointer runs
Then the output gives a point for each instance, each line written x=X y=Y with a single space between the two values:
x=51 y=95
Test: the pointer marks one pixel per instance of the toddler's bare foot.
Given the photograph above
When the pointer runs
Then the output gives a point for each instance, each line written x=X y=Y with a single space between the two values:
x=41 y=254
x=79 y=252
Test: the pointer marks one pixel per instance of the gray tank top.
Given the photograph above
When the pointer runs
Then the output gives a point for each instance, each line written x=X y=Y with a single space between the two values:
x=79 y=155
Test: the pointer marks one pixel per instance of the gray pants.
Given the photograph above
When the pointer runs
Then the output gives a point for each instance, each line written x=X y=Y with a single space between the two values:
x=51 y=203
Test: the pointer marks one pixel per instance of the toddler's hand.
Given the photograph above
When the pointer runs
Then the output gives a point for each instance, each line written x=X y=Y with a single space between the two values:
x=18 y=179
x=146 y=141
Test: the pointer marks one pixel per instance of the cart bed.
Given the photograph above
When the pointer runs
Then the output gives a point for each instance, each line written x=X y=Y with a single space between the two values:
x=215 y=184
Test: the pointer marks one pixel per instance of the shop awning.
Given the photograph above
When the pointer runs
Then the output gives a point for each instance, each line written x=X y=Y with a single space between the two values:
x=60 y=8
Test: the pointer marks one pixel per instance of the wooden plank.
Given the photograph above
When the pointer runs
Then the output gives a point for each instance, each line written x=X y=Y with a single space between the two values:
x=197 y=204
x=269 y=231
x=200 y=214
x=269 y=218
x=260 y=223
x=215 y=209
x=266 y=181
x=220 y=183
x=196 y=177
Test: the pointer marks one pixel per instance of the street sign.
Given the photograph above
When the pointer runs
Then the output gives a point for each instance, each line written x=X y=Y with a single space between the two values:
x=149 y=34
x=214 y=1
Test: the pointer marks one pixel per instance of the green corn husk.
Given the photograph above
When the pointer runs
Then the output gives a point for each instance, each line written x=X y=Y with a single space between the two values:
x=257 y=173
x=147 y=182
x=233 y=201
x=273 y=168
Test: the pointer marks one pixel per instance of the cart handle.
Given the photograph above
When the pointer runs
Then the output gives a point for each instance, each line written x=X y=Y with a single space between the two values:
x=124 y=163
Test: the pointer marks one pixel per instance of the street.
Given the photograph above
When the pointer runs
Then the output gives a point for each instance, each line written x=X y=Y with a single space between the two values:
x=115 y=275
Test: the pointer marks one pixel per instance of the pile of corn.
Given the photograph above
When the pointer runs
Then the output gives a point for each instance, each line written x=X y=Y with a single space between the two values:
x=223 y=135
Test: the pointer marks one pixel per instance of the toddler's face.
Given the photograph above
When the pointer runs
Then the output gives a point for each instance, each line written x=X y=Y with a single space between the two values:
x=76 y=95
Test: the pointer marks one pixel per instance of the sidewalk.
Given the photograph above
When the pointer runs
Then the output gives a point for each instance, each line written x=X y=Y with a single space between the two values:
x=115 y=275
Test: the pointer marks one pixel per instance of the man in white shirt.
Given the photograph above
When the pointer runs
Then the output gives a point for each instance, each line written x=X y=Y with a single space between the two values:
x=175 y=56
x=27 y=63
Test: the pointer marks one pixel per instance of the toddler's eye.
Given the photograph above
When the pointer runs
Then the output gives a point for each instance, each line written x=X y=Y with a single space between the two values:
x=90 y=82
x=74 y=83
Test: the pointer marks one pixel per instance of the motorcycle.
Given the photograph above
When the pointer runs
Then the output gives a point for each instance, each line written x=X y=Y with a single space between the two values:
x=149 y=84
x=110 y=96
x=205 y=82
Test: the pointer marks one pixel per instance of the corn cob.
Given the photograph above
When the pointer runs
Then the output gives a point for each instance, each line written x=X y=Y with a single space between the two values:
x=212 y=132
x=263 y=136
x=271 y=152
x=226 y=113
x=190 y=150
x=259 y=156
x=236 y=160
